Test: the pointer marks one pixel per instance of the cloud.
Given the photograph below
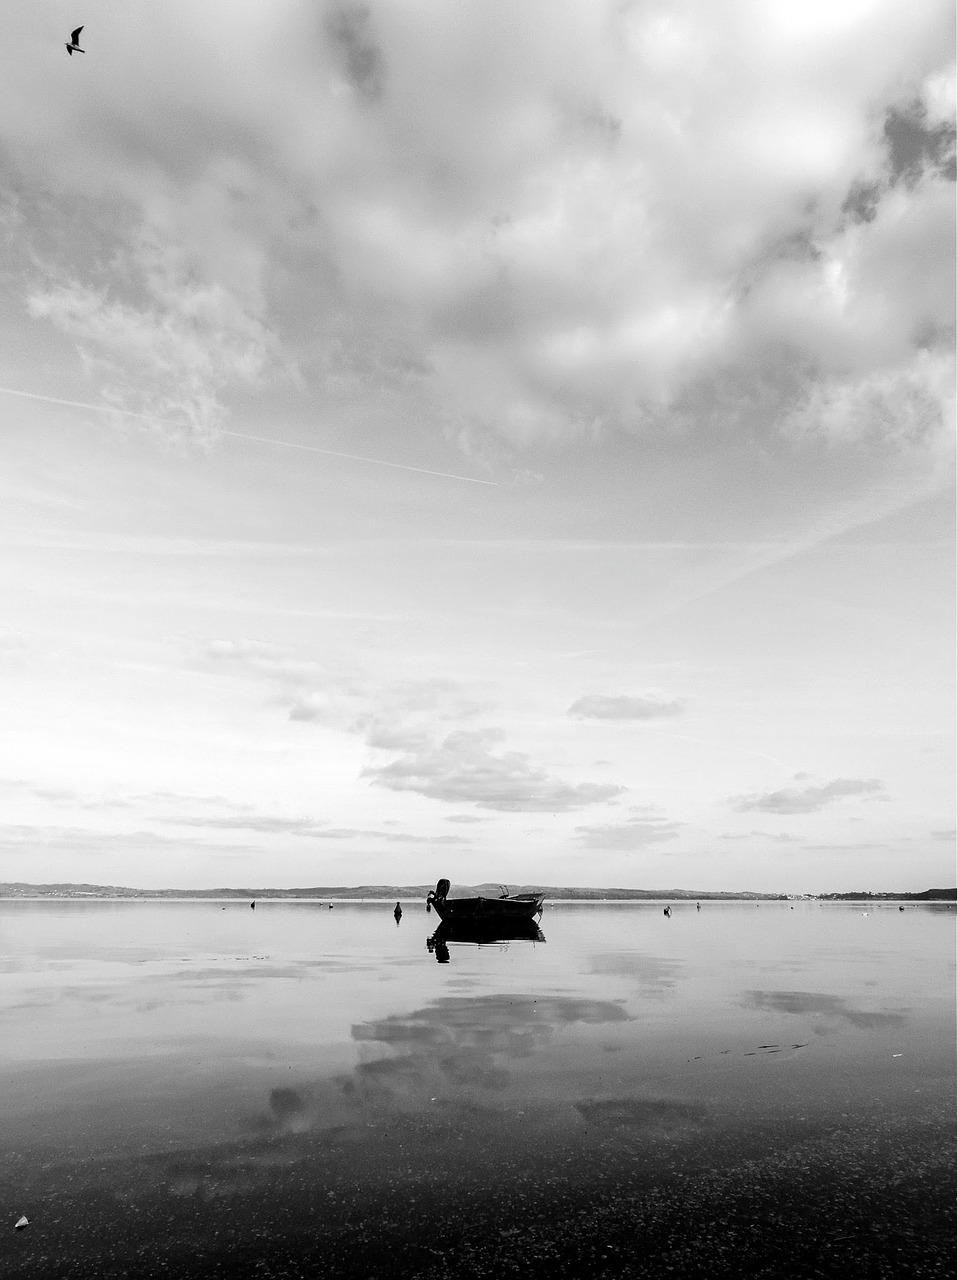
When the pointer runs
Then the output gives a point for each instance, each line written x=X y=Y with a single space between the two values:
x=916 y=145
x=642 y=828
x=463 y=768
x=309 y=691
x=622 y=707
x=349 y=28
x=63 y=796
x=859 y=846
x=776 y=837
x=170 y=355
x=566 y=220
x=809 y=799
x=265 y=824
x=309 y=828
x=85 y=841
x=403 y=717
x=397 y=716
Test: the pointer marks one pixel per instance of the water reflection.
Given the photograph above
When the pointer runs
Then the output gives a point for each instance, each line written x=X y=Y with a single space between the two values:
x=143 y=1020
x=831 y=1009
x=466 y=1044
x=481 y=933
x=653 y=975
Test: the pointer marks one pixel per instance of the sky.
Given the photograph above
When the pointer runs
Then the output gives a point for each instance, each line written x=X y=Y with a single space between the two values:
x=510 y=442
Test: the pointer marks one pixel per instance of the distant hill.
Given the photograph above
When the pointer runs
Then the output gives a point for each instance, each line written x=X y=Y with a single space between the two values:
x=554 y=893
x=927 y=895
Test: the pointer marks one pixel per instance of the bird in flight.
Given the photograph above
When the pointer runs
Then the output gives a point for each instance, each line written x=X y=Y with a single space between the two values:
x=74 y=45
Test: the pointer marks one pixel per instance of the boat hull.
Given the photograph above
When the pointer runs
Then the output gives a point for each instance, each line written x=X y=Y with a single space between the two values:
x=521 y=906
x=461 y=910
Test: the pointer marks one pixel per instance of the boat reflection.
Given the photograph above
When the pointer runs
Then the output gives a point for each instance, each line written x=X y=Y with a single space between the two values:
x=480 y=933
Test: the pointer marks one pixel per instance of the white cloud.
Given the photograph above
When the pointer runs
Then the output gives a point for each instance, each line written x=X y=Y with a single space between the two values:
x=530 y=223
x=463 y=768
x=624 y=707
x=172 y=355
x=644 y=827
x=811 y=798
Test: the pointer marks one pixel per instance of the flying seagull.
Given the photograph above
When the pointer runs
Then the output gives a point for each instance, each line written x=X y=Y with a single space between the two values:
x=74 y=45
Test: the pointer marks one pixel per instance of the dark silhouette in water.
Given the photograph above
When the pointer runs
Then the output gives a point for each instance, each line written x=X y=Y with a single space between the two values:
x=252 y=906
x=398 y=912
x=481 y=932
x=440 y=948
x=666 y=912
x=507 y=906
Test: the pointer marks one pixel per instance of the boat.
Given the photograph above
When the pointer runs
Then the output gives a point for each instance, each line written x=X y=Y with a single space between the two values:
x=519 y=906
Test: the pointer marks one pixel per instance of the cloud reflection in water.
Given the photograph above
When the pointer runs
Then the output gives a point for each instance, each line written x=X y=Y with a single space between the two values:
x=833 y=1009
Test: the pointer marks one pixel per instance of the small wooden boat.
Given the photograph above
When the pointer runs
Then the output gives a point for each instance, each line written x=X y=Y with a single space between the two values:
x=521 y=906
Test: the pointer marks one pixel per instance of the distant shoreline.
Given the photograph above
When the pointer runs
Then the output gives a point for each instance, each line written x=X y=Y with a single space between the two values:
x=373 y=893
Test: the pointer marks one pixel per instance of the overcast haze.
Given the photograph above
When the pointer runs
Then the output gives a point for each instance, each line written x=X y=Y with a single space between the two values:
x=651 y=308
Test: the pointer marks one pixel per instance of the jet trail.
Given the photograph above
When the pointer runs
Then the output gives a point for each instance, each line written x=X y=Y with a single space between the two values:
x=243 y=435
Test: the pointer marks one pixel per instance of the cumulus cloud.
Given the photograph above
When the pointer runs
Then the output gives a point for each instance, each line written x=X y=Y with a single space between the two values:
x=463 y=767
x=622 y=707
x=564 y=218
x=811 y=798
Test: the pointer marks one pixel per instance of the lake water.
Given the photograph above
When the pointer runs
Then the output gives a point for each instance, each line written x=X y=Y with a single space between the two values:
x=187 y=1087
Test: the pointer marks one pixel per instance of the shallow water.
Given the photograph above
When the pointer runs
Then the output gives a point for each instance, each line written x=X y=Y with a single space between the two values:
x=143 y=1032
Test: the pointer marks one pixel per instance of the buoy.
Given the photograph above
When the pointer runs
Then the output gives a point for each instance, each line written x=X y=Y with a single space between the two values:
x=21 y=1222
x=252 y=906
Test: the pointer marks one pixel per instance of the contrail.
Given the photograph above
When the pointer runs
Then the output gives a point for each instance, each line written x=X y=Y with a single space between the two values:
x=355 y=457
x=243 y=435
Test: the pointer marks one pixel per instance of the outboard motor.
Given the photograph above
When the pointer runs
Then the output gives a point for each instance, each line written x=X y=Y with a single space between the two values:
x=438 y=894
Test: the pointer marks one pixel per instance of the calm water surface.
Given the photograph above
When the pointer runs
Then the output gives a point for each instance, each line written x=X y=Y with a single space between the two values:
x=146 y=1031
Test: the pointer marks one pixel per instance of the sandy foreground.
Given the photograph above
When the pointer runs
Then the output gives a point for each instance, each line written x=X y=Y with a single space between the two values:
x=630 y=1189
